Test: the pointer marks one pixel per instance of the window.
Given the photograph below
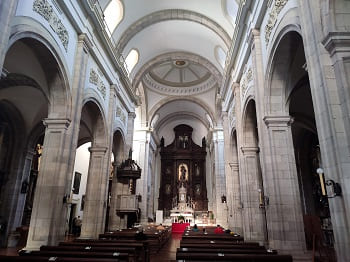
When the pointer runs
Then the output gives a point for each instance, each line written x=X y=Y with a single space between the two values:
x=113 y=15
x=220 y=55
x=132 y=59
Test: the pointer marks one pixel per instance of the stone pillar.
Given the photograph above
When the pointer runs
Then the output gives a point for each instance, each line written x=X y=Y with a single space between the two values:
x=46 y=226
x=95 y=200
x=78 y=84
x=7 y=11
x=236 y=224
x=326 y=44
x=337 y=44
x=219 y=176
x=141 y=154
x=284 y=214
x=236 y=168
x=231 y=178
x=130 y=131
x=254 y=222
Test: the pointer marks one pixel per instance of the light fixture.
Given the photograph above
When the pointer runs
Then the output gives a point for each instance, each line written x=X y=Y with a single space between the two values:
x=334 y=188
x=319 y=171
x=223 y=199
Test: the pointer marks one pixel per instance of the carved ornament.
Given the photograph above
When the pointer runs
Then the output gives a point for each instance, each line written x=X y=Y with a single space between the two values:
x=43 y=8
x=271 y=22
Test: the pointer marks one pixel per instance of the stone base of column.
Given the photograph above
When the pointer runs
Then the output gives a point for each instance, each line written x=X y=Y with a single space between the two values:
x=298 y=256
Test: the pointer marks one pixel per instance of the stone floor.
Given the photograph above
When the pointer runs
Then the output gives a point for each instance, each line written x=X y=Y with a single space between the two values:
x=168 y=252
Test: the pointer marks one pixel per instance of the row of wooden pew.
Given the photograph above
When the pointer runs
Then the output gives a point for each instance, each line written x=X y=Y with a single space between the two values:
x=197 y=246
x=118 y=246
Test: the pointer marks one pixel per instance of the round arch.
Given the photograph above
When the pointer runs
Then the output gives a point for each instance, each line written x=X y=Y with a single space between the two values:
x=197 y=101
x=34 y=32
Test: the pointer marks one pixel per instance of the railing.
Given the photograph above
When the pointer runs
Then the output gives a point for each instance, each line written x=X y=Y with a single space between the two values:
x=96 y=7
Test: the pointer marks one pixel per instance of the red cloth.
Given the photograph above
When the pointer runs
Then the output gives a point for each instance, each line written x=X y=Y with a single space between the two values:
x=179 y=227
x=218 y=230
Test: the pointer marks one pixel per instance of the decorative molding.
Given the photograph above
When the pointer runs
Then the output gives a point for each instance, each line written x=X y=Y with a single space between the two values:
x=179 y=91
x=337 y=42
x=246 y=79
x=273 y=15
x=278 y=121
x=120 y=114
x=97 y=81
x=43 y=8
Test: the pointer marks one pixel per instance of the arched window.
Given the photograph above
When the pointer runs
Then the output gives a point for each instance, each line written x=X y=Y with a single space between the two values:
x=132 y=59
x=113 y=14
x=220 y=55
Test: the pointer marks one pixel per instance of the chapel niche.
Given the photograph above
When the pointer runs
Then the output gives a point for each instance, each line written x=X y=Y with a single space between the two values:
x=183 y=172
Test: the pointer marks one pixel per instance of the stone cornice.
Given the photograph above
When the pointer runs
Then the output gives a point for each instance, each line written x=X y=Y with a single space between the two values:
x=98 y=150
x=336 y=42
x=249 y=150
x=56 y=123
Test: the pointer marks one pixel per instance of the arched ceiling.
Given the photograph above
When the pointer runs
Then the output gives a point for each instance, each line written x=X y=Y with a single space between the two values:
x=177 y=43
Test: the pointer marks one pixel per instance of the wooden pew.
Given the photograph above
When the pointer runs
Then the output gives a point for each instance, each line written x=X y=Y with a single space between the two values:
x=225 y=250
x=78 y=254
x=141 y=248
x=187 y=256
x=55 y=259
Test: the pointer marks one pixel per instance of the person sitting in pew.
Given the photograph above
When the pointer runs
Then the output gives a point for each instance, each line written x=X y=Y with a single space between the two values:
x=160 y=227
x=195 y=228
x=218 y=230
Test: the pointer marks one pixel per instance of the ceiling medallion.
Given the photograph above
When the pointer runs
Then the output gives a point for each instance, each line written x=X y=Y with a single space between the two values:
x=180 y=63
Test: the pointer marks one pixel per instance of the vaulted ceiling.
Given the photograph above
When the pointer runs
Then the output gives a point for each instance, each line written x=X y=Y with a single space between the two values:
x=181 y=47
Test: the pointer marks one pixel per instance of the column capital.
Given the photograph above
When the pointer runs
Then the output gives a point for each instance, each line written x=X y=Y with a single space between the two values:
x=98 y=150
x=235 y=89
x=234 y=166
x=278 y=121
x=249 y=150
x=87 y=44
x=132 y=115
x=252 y=35
x=56 y=123
x=337 y=42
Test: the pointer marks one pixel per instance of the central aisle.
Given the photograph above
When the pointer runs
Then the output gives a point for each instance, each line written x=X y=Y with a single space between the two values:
x=168 y=252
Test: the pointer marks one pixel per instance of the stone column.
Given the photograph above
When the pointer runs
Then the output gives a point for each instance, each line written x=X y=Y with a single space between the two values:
x=230 y=185
x=338 y=46
x=130 y=131
x=95 y=200
x=236 y=224
x=78 y=84
x=236 y=168
x=220 y=178
x=326 y=44
x=284 y=213
x=254 y=225
x=7 y=11
x=141 y=154
x=46 y=226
